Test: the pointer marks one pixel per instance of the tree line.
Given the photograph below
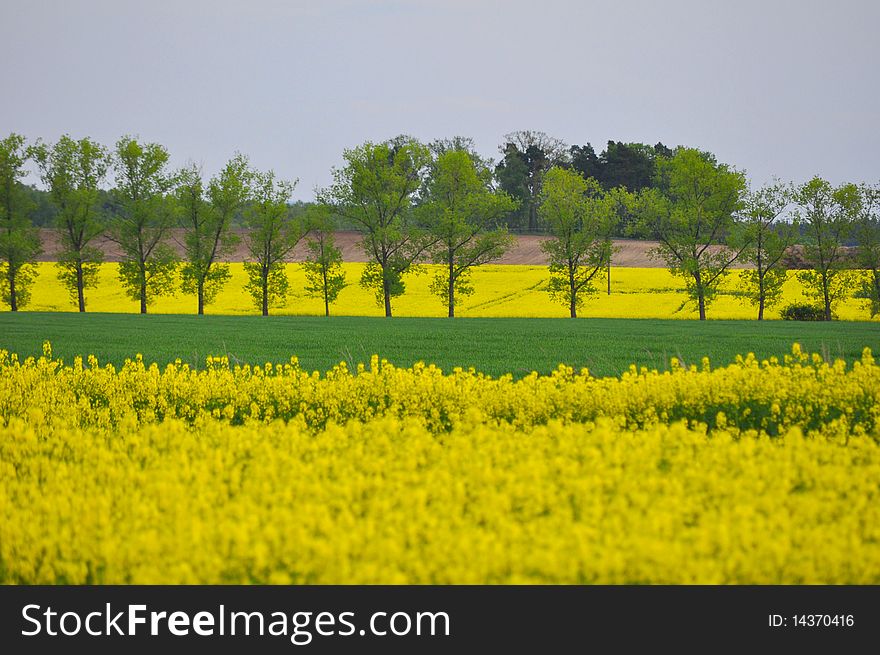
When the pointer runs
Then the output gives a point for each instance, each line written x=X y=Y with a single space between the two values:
x=441 y=203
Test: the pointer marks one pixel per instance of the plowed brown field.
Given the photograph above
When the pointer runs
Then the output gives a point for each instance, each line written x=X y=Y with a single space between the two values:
x=527 y=250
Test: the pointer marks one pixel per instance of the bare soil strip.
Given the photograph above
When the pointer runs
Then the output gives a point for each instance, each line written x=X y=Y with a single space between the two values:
x=526 y=252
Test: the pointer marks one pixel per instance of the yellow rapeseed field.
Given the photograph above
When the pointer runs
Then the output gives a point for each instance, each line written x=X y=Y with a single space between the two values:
x=500 y=291
x=759 y=472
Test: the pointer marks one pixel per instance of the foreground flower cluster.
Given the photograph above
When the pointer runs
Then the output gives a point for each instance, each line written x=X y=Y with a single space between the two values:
x=760 y=472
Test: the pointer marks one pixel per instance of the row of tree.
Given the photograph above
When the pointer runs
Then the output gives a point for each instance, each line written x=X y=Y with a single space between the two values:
x=147 y=201
x=705 y=219
x=526 y=156
x=439 y=203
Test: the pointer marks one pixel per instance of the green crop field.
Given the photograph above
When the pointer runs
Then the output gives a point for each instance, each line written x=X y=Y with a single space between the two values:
x=494 y=346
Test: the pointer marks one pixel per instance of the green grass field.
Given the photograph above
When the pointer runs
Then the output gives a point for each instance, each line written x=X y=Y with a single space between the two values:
x=491 y=345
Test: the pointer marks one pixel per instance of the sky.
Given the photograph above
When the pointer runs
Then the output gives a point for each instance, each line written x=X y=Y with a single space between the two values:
x=775 y=88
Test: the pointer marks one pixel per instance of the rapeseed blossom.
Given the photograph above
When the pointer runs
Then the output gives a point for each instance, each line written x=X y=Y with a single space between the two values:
x=758 y=472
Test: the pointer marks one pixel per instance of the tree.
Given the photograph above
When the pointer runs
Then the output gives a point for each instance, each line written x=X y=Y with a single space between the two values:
x=142 y=219
x=40 y=208
x=867 y=234
x=630 y=165
x=768 y=237
x=207 y=218
x=553 y=149
x=690 y=214
x=462 y=212
x=622 y=203
x=662 y=151
x=73 y=172
x=375 y=190
x=585 y=161
x=19 y=241
x=201 y=239
x=512 y=174
x=274 y=233
x=464 y=144
x=323 y=265
x=580 y=218
x=828 y=216
x=528 y=155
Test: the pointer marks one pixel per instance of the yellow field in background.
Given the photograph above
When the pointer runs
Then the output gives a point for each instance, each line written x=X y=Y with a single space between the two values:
x=500 y=291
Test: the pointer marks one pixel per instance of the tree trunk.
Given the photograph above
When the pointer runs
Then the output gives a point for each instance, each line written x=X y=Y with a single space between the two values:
x=608 y=275
x=760 y=298
x=572 y=293
x=265 y=299
x=826 y=298
x=13 y=301
x=761 y=274
x=387 y=293
x=201 y=293
x=143 y=291
x=326 y=296
x=80 y=293
x=451 y=288
x=701 y=296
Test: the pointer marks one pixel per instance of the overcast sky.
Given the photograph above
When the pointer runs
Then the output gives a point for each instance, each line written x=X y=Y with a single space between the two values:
x=785 y=88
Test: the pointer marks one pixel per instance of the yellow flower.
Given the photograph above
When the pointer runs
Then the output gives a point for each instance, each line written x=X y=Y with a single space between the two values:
x=760 y=473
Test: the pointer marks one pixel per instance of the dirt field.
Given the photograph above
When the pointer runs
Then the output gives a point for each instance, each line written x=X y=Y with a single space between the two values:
x=527 y=251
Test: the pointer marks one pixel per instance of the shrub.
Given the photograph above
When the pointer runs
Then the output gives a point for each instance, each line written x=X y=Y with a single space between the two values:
x=803 y=312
